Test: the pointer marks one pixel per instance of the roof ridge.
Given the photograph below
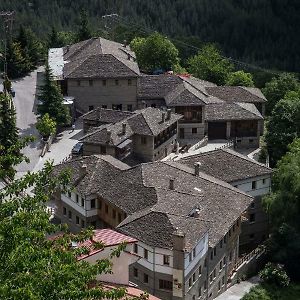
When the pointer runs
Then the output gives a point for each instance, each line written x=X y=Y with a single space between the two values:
x=124 y=63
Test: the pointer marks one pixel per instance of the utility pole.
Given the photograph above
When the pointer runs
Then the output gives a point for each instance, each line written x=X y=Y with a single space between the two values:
x=7 y=21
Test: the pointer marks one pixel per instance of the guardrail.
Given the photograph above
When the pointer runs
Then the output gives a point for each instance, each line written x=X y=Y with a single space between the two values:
x=254 y=253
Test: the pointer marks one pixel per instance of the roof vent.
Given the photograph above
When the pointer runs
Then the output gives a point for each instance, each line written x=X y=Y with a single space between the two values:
x=163 y=117
x=171 y=184
x=123 y=128
x=108 y=135
x=169 y=111
x=197 y=168
x=83 y=170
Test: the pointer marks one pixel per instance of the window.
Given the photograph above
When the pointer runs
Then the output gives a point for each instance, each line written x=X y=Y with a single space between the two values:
x=194 y=297
x=205 y=262
x=223 y=280
x=194 y=252
x=145 y=253
x=252 y=218
x=70 y=215
x=194 y=130
x=77 y=220
x=129 y=82
x=221 y=265
x=253 y=185
x=82 y=224
x=166 y=260
x=250 y=141
x=165 y=284
x=264 y=181
x=91 y=107
x=199 y=291
x=78 y=82
x=146 y=278
x=190 y=282
x=215 y=251
x=129 y=107
x=91 y=82
x=77 y=198
x=100 y=204
x=103 y=82
x=211 y=255
x=93 y=203
x=135 y=248
x=194 y=277
x=221 y=244
x=69 y=194
x=135 y=272
x=225 y=239
x=214 y=273
x=252 y=205
x=224 y=261
x=205 y=285
x=219 y=285
x=106 y=208
x=104 y=106
x=102 y=149
x=200 y=270
x=230 y=256
x=82 y=202
x=211 y=277
x=143 y=140
x=119 y=217
x=116 y=82
x=64 y=211
x=251 y=236
x=114 y=214
x=190 y=257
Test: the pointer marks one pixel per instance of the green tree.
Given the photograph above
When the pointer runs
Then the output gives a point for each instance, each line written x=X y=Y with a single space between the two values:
x=283 y=207
x=283 y=126
x=84 y=30
x=34 y=267
x=54 y=39
x=17 y=64
x=155 y=52
x=52 y=100
x=240 y=78
x=276 y=89
x=209 y=65
x=46 y=126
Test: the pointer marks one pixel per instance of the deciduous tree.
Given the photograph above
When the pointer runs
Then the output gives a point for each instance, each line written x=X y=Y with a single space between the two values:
x=46 y=126
x=209 y=65
x=240 y=78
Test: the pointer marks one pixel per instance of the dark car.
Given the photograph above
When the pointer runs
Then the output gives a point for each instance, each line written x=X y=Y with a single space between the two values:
x=77 y=149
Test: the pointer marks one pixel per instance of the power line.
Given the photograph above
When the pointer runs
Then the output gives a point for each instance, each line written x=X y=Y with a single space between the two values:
x=144 y=29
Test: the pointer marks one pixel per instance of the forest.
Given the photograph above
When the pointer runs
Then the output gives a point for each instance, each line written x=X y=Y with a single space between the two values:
x=261 y=32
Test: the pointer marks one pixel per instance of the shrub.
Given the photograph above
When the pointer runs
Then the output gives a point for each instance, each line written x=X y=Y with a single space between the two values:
x=257 y=293
x=275 y=274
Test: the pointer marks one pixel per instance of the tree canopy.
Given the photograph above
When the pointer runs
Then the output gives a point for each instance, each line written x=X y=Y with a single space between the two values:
x=52 y=100
x=283 y=126
x=209 y=65
x=240 y=78
x=155 y=52
x=46 y=126
x=276 y=89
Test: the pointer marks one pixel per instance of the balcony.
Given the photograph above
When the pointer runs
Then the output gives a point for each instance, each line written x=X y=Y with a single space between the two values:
x=160 y=140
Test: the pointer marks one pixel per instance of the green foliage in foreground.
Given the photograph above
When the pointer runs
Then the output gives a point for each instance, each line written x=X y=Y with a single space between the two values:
x=46 y=126
x=275 y=274
x=269 y=292
x=33 y=267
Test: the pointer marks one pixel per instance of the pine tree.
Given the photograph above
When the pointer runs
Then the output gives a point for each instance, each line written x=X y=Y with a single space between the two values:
x=84 y=31
x=54 y=40
x=52 y=100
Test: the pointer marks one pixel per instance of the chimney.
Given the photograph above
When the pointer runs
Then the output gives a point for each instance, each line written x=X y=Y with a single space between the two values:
x=169 y=111
x=171 y=184
x=197 y=168
x=125 y=43
x=128 y=56
x=163 y=117
x=83 y=170
x=196 y=213
x=123 y=128
x=108 y=135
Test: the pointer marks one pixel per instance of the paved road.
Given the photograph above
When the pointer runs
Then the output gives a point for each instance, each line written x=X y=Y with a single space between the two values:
x=25 y=100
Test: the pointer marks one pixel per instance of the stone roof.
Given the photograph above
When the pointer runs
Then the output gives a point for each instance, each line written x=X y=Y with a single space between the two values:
x=144 y=193
x=237 y=94
x=99 y=58
x=227 y=165
x=147 y=121
x=106 y=115
x=232 y=111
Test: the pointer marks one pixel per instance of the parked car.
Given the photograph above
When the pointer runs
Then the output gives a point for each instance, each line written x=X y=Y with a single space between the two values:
x=77 y=149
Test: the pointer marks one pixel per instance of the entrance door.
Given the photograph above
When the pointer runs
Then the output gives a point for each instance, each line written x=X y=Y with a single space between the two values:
x=217 y=130
x=181 y=133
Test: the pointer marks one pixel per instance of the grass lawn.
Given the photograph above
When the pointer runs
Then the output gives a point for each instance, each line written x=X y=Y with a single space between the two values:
x=268 y=292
